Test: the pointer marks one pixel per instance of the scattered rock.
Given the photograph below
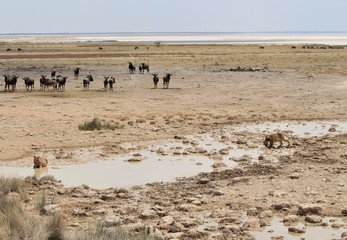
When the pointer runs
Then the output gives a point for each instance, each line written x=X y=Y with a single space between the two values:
x=148 y=214
x=306 y=209
x=313 y=219
x=51 y=209
x=296 y=230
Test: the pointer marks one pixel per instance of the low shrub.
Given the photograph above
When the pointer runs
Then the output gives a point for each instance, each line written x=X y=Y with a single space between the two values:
x=97 y=124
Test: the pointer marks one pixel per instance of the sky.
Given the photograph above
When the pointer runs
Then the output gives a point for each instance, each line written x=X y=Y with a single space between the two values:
x=102 y=16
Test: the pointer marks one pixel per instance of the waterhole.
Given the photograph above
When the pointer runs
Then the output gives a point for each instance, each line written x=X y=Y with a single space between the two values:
x=184 y=156
x=332 y=228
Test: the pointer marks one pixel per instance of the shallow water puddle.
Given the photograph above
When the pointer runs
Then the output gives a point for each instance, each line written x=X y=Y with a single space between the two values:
x=174 y=158
x=277 y=229
x=297 y=128
x=118 y=172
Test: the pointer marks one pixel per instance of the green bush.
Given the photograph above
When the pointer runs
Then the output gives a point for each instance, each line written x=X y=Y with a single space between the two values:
x=97 y=124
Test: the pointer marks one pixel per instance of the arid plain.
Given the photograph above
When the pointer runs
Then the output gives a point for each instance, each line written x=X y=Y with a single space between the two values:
x=299 y=84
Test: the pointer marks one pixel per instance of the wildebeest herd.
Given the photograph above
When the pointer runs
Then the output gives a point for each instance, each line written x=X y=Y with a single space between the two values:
x=57 y=82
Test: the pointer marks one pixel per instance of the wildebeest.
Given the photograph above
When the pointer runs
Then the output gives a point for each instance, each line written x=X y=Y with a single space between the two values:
x=166 y=80
x=61 y=83
x=111 y=81
x=155 y=79
x=144 y=67
x=100 y=48
x=53 y=74
x=46 y=83
x=293 y=47
x=10 y=81
x=19 y=49
x=8 y=50
x=261 y=47
x=43 y=80
x=106 y=82
x=76 y=72
x=29 y=83
x=86 y=82
x=131 y=67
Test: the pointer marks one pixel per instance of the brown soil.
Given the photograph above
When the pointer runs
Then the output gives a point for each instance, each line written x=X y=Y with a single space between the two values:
x=199 y=99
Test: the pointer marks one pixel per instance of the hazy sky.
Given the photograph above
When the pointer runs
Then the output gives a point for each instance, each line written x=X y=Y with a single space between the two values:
x=77 y=16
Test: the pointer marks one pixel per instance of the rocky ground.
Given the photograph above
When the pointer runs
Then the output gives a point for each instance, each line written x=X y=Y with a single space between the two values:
x=305 y=184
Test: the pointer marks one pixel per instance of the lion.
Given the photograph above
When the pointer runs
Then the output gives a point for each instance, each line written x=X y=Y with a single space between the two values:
x=276 y=137
x=40 y=162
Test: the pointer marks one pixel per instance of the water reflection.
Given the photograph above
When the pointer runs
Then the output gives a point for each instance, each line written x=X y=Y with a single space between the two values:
x=176 y=158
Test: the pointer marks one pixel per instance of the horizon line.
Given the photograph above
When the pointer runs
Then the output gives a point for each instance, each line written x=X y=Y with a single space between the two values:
x=170 y=32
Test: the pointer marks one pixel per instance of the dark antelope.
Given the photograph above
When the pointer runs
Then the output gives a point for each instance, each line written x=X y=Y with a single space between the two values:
x=143 y=68
x=131 y=67
x=155 y=79
x=86 y=82
x=10 y=81
x=76 y=72
x=29 y=83
x=166 y=80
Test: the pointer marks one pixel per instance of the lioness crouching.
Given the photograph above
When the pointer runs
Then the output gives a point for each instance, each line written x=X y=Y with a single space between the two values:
x=40 y=162
x=275 y=137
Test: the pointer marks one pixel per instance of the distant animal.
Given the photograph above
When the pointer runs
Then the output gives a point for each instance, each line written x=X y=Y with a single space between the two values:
x=19 y=49
x=87 y=81
x=76 y=72
x=61 y=83
x=166 y=80
x=144 y=67
x=155 y=79
x=275 y=137
x=50 y=83
x=40 y=162
x=29 y=83
x=53 y=74
x=111 y=81
x=100 y=48
x=10 y=81
x=106 y=82
x=136 y=48
x=131 y=67
x=293 y=47
x=8 y=50
x=43 y=80
x=261 y=47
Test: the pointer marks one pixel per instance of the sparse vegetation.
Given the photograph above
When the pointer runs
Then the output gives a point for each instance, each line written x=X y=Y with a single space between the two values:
x=97 y=124
x=102 y=232
x=17 y=224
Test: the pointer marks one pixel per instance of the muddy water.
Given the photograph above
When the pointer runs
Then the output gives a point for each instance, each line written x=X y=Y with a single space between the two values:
x=178 y=157
x=277 y=229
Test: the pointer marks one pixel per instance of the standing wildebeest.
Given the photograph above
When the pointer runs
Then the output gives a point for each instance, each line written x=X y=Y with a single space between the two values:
x=131 y=67
x=76 y=72
x=29 y=83
x=10 y=81
x=100 y=48
x=144 y=67
x=43 y=80
x=46 y=83
x=155 y=79
x=111 y=81
x=86 y=82
x=61 y=83
x=8 y=50
x=19 y=49
x=53 y=74
x=106 y=82
x=166 y=80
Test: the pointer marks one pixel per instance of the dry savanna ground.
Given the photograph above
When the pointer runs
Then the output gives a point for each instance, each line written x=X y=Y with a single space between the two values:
x=301 y=84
